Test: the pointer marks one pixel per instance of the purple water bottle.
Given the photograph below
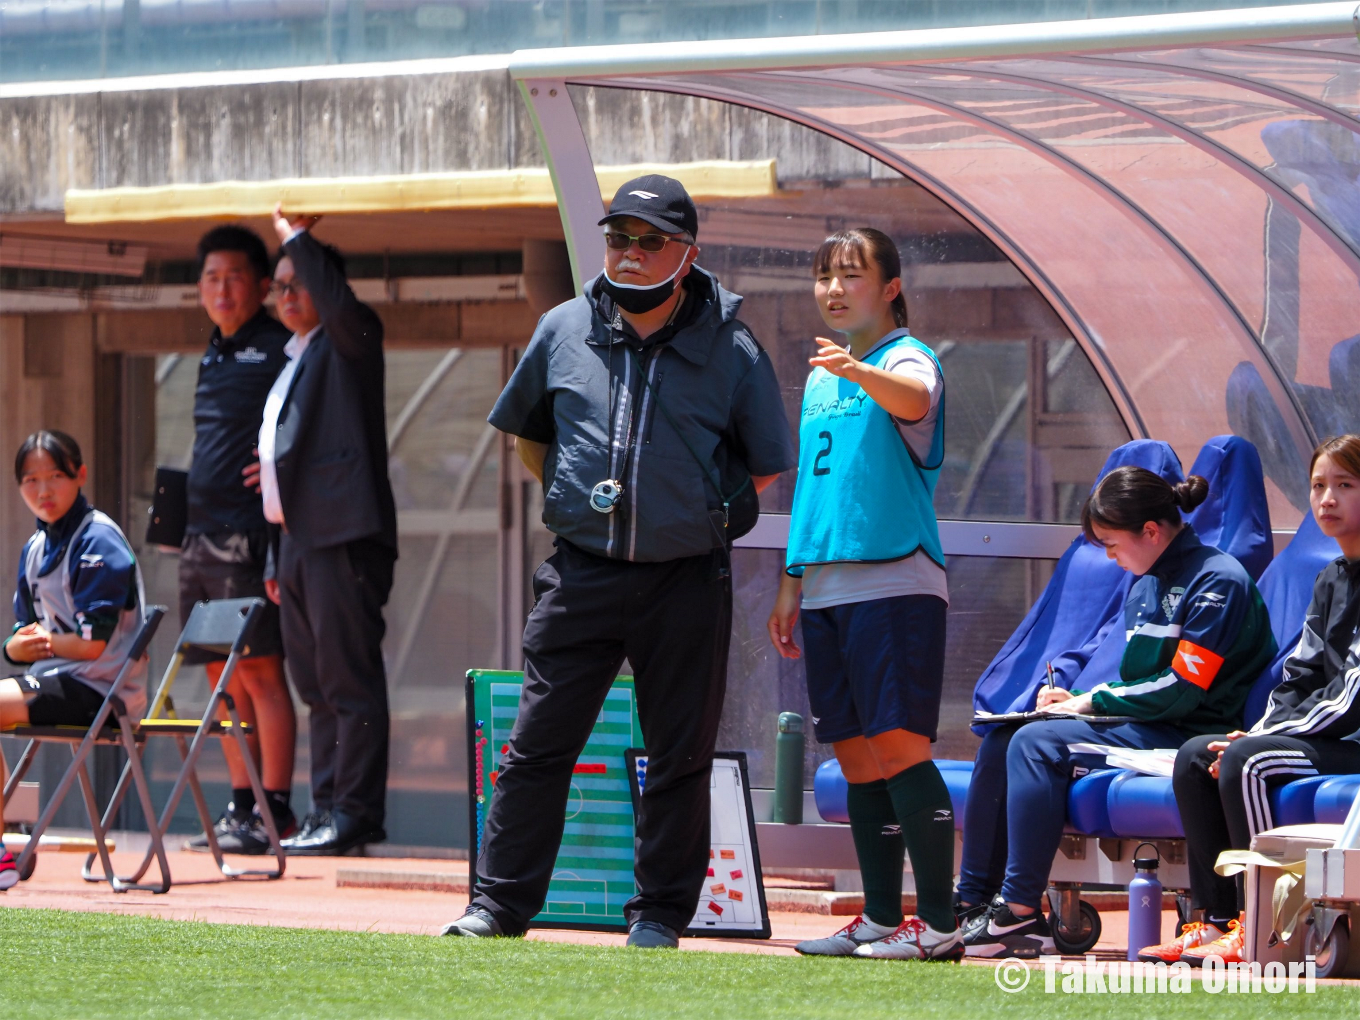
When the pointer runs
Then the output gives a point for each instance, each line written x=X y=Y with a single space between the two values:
x=1145 y=903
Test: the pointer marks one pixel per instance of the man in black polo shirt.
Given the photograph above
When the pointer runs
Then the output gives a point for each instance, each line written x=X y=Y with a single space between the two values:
x=226 y=537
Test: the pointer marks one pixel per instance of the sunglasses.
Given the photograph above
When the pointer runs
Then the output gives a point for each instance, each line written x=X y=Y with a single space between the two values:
x=289 y=289
x=619 y=241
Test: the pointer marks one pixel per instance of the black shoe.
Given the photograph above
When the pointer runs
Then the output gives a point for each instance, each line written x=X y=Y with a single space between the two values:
x=967 y=915
x=999 y=934
x=341 y=835
x=226 y=821
x=312 y=821
x=252 y=838
x=652 y=935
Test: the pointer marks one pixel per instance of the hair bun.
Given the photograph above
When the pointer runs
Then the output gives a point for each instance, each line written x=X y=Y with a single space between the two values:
x=1191 y=492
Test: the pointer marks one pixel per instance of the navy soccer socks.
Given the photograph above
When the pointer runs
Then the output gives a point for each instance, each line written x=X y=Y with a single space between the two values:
x=879 y=846
x=926 y=814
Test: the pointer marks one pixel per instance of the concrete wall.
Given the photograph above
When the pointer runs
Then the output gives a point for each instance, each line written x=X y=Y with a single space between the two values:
x=346 y=127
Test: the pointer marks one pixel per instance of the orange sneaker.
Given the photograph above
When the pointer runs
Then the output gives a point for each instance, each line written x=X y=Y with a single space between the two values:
x=1228 y=948
x=1192 y=936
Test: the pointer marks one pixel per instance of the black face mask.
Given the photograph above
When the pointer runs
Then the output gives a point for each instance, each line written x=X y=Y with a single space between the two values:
x=637 y=300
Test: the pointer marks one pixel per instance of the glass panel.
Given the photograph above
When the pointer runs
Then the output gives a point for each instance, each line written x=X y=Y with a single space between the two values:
x=990 y=328
x=1216 y=217
x=1156 y=324
x=1312 y=157
x=988 y=599
x=40 y=39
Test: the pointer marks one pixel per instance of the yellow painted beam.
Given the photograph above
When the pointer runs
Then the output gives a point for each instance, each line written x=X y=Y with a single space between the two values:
x=473 y=189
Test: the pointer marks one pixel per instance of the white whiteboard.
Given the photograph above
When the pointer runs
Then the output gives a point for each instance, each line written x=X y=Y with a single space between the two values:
x=732 y=901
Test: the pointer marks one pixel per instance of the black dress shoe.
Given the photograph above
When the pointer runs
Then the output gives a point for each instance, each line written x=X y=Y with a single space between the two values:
x=338 y=836
x=314 y=820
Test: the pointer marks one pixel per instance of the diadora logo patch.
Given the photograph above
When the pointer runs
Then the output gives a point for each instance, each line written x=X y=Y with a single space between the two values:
x=1197 y=665
x=251 y=356
x=646 y=196
x=1171 y=601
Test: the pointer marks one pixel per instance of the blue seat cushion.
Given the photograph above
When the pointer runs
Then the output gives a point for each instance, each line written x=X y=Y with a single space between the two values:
x=1143 y=807
x=829 y=788
x=1292 y=803
x=1334 y=798
x=1088 y=810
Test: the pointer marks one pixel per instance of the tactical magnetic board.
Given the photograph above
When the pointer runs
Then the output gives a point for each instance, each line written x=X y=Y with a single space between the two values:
x=593 y=876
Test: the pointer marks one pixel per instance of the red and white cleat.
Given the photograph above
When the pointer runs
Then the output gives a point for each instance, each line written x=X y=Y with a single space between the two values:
x=916 y=940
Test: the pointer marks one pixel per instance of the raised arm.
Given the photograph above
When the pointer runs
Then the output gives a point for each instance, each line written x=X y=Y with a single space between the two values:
x=352 y=326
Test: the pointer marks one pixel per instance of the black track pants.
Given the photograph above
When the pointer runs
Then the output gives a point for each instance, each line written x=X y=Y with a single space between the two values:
x=673 y=622
x=1224 y=813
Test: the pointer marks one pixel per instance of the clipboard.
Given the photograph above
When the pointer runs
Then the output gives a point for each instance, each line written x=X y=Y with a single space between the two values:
x=169 y=511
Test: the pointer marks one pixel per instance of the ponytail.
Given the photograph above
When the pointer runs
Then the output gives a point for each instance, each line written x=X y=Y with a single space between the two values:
x=1129 y=497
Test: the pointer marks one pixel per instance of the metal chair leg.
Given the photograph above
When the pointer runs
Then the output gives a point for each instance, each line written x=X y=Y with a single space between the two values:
x=266 y=813
x=20 y=769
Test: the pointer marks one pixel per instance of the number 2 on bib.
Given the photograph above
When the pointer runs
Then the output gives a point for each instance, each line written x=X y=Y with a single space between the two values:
x=818 y=468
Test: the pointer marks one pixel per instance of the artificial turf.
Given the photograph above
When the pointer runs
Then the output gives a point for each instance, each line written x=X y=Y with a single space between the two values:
x=55 y=965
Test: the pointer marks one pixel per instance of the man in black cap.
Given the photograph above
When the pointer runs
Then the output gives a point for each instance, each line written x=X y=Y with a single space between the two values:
x=652 y=418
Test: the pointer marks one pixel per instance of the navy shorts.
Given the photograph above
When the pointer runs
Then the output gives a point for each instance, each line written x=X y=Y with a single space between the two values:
x=875 y=666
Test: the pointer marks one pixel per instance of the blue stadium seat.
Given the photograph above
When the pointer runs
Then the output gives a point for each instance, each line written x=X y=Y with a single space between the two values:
x=1236 y=517
x=1334 y=798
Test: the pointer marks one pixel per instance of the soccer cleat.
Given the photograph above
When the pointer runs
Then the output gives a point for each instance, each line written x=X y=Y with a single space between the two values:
x=9 y=871
x=843 y=943
x=252 y=838
x=1000 y=934
x=652 y=935
x=226 y=821
x=1192 y=936
x=1227 y=948
x=476 y=923
x=916 y=940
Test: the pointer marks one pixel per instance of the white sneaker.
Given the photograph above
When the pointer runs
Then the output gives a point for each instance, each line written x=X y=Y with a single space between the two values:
x=844 y=943
x=916 y=940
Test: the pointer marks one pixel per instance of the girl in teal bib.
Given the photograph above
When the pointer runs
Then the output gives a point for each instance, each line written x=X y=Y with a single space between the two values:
x=865 y=571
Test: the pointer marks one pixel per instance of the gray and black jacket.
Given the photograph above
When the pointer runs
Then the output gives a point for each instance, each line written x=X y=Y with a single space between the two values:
x=1320 y=693
x=578 y=389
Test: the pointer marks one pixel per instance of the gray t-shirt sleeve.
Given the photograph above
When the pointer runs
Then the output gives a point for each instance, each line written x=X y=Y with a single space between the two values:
x=524 y=407
x=759 y=421
x=918 y=435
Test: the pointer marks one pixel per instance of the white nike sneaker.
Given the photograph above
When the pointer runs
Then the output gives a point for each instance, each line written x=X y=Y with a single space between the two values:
x=916 y=940
x=843 y=943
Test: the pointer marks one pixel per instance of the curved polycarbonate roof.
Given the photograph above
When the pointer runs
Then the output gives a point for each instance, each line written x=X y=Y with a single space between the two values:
x=1192 y=212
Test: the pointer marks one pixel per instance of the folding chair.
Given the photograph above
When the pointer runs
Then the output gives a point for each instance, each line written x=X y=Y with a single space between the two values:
x=119 y=732
x=219 y=630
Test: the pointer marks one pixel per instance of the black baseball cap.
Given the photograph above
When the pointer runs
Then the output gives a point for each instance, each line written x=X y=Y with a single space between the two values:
x=661 y=201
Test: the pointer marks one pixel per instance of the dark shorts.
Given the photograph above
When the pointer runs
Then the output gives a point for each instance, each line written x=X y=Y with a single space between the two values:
x=230 y=567
x=875 y=666
x=59 y=700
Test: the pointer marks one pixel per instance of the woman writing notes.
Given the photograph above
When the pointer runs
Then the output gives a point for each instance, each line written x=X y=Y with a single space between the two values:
x=866 y=569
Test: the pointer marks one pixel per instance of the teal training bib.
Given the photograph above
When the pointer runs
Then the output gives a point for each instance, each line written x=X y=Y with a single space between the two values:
x=862 y=496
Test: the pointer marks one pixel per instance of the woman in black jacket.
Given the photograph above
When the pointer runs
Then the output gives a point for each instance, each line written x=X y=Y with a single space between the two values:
x=1311 y=724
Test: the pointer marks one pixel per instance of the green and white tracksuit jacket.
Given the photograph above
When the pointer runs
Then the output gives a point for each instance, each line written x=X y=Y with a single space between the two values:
x=1198 y=637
